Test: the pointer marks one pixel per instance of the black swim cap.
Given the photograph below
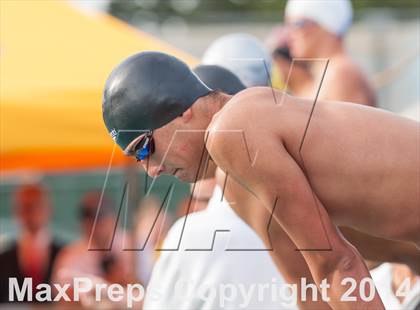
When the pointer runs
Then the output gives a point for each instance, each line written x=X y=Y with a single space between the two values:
x=147 y=91
x=219 y=78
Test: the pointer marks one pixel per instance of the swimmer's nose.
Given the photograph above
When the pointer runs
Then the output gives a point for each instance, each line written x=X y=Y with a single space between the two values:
x=152 y=170
x=155 y=172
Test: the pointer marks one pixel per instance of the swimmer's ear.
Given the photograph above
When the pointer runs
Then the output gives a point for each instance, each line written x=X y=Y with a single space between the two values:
x=186 y=116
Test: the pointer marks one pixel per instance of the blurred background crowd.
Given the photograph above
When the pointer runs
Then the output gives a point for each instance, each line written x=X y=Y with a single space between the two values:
x=49 y=217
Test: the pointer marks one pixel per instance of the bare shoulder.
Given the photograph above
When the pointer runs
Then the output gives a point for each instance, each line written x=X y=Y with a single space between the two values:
x=246 y=108
x=241 y=123
x=344 y=70
x=345 y=81
x=349 y=69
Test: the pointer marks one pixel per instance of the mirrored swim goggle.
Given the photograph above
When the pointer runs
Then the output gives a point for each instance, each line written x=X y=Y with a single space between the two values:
x=145 y=147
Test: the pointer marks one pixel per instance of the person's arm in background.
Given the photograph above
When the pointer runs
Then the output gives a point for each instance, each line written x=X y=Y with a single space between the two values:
x=277 y=179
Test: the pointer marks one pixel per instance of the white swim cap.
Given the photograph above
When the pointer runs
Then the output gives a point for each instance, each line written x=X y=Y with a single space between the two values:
x=333 y=15
x=242 y=54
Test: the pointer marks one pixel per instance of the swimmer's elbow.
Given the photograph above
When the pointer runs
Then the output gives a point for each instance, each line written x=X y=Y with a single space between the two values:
x=348 y=261
x=343 y=261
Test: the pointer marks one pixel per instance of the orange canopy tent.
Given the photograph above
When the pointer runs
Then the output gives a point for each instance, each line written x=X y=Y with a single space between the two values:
x=54 y=61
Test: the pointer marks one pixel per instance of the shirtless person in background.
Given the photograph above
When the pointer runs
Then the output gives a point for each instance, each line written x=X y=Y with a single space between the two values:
x=357 y=167
x=314 y=33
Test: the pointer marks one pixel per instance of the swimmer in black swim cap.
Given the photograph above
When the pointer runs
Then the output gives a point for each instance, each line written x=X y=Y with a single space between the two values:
x=151 y=100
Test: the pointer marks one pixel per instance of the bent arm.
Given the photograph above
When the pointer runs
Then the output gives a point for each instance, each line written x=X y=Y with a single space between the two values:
x=288 y=261
x=275 y=178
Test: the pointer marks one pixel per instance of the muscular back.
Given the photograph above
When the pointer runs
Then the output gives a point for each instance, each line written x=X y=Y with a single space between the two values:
x=362 y=163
